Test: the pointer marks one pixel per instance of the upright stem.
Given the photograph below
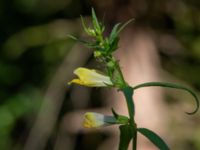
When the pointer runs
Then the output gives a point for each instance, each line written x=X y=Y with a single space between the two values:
x=128 y=93
x=135 y=139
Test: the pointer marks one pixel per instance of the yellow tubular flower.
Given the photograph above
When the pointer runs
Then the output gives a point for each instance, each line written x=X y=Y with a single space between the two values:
x=95 y=120
x=91 y=78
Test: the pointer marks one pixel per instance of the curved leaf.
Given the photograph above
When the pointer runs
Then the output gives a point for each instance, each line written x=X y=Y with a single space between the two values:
x=172 y=85
x=124 y=25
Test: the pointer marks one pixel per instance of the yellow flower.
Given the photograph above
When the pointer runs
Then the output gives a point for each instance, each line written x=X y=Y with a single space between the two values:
x=91 y=78
x=95 y=120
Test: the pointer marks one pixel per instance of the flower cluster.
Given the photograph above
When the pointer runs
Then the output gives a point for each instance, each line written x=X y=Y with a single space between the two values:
x=93 y=78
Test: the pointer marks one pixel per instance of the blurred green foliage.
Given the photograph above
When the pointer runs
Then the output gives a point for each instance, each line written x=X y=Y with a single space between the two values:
x=33 y=43
x=14 y=108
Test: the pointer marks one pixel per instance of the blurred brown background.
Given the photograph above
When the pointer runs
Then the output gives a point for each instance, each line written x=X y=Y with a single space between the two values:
x=39 y=111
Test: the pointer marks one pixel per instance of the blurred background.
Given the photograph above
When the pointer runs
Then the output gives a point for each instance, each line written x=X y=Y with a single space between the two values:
x=39 y=111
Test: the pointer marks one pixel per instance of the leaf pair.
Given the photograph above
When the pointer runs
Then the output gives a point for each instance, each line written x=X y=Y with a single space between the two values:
x=114 y=35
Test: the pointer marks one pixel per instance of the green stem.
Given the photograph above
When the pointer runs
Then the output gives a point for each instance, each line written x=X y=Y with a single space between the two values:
x=171 y=85
x=135 y=139
x=117 y=74
x=128 y=93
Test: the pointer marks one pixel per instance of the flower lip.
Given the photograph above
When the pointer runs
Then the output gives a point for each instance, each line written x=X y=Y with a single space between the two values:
x=91 y=78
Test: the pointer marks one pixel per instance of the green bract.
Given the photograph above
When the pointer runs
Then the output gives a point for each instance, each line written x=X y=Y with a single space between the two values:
x=103 y=46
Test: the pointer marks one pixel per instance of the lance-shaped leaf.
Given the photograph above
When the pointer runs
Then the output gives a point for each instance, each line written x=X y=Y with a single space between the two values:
x=86 y=43
x=96 y=23
x=154 y=138
x=114 y=32
x=114 y=35
x=118 y=28
x=124 y=25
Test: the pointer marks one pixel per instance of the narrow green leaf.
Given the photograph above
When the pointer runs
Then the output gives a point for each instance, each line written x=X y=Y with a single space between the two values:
x=154 y=138
x=126 y=134
x=114 y=32
x=113 y=38
x=95 y=20
x=114 y=45
x=84 y=26
x=79 y=40
x=172 y=85
x=72 y=37
x=114 y=113
x=124 y=25
x=102 y=27
x=86 y=43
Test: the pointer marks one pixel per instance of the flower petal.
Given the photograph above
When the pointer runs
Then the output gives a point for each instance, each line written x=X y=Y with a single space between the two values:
x=77 y=81
x=93 y=120
x=91 y=78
